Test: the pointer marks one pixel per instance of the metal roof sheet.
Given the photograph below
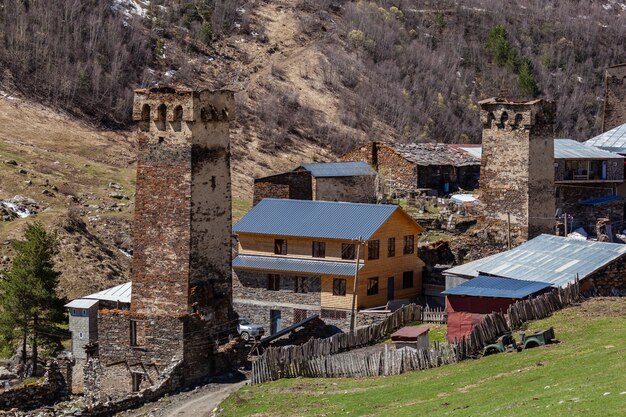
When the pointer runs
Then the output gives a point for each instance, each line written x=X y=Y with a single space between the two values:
x=546 y=258
x=319 y=219
x=571 y=149
x=485 y=286
x=295 y=265
x=81 y=303
x=121 y=293
x=339 y=169
x=613 y=140
x=601 y=200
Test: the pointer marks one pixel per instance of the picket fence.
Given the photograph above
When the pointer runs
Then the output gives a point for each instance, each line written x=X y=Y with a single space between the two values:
x=317 y=358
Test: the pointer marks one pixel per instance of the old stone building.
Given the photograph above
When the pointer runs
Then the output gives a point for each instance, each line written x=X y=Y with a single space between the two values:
x=353 y=182
x=435 y=168
x=517 y=168
x=181 y=283
x=614 y=97
x=297 y=258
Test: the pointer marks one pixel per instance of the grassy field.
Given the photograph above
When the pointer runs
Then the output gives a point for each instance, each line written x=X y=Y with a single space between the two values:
x=584 y=375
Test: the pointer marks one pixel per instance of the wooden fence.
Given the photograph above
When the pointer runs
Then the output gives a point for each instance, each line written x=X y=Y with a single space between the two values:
x=436 y=315
x=317 y=358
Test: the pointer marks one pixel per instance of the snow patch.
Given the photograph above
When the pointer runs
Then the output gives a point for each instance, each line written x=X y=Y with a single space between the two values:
x=20 y=211
x=131 y=7
x=126 y=254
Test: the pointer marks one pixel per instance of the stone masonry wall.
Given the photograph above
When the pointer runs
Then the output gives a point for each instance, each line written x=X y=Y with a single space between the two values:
x=355 y=189
x=296 y=185
x=570 y=195
x=610 y=280
x=47 y=391
x=614 y=97
x=253 y=285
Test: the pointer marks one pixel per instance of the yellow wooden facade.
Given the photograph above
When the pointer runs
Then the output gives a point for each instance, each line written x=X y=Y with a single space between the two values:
x=397 y=226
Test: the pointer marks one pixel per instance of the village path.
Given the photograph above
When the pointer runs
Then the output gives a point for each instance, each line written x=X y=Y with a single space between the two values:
x=197 y=403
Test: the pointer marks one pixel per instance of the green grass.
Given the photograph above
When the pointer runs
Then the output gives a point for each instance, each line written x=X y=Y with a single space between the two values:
x=568 y=379
x=240 y=207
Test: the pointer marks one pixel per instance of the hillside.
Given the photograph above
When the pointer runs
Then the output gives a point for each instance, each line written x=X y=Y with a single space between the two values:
x=582 y=375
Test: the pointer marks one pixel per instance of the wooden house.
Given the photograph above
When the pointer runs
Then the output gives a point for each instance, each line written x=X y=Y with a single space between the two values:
x=297 y=258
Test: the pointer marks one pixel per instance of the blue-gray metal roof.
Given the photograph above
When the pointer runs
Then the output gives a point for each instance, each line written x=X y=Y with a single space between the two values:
x=485 y=286
x=339 y=169
x=316 y=219
x=613 y=140
x=121 y=293
x=601 y=200
x=572 y=149
x=295 y=265
x=546 y=258
x=81 y=303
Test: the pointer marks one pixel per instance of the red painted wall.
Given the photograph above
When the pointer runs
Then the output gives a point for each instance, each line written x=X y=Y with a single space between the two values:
x=464 y=312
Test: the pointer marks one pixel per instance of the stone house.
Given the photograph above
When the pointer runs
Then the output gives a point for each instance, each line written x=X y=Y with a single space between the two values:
x=435 y=168
x=297 y=258
x=331 y=181
x=586 y=179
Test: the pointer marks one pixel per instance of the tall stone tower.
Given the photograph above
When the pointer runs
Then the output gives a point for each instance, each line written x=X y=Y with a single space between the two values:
x=614 y=97
x=181 y=279
x=517 y=167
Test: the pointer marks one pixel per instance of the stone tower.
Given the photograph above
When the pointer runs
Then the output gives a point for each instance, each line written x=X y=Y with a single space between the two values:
x=517 y=167
x=614 y=97
x=181 y=279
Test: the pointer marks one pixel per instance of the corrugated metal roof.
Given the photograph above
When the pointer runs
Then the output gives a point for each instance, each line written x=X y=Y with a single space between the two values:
x=601 y=200
x=81 y=303
x=485 y=286
x=546 y=258
x=571 y=149
x=294 y=265
x=613 y=140
x=318 y=219
x=121 y=293
x=339 y=169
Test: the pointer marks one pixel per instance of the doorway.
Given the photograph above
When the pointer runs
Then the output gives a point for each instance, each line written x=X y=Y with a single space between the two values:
x=390 y=289
x=276 y=321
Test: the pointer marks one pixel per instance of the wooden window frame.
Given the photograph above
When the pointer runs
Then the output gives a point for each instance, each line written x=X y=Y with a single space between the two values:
x=391 y=247
x=337 y=287
x=409 y=244
x=273 y=282
x=373 y=249
x=300 y=285
x=137 y=332
x=280 y=246
x=408 y=277
x=347 y=253
x=318 y=249
x=372 y=286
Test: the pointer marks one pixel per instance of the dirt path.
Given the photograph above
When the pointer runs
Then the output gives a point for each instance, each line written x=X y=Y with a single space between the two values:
x=197 y=403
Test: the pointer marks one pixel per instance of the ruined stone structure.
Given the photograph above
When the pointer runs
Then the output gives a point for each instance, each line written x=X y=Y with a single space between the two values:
x=614 y=97
x=517 y=168
x=181 y=292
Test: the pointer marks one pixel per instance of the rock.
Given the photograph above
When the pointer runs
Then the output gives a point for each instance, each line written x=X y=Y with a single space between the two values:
x=22 y=171
x=11 y=162
x=6 y=375
x=29 y=182
x=115 y=185
x=47 y=193
x=55 y=188
x=118 y=196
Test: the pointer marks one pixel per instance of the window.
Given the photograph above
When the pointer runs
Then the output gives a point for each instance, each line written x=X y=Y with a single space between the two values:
x=137 y=333
x=409 y=244
x=372 y=286
x=80 y=335
x=373 y=249
x=391 y=247
x=74 y=312
x=319 y=249
x=273 y=282
x=339 y=287
x=298 y=315
x=347 y=251
x=300 y=285
x=280 y=246
x=407 y=279
x=84 y=312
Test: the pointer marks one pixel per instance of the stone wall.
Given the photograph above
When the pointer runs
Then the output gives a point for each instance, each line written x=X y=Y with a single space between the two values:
x=614 y=97
x=296 y=185
x=608 y=281
x=570 y=195
x=83 y=329
x=50 y=389
x=355 y=189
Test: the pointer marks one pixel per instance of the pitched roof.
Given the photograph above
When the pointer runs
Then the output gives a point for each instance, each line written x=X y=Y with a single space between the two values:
x=435 y=154
x=338 y=169
x=318 y=219
x=485 y=286
x=546 y=258
x=295 y=265
x=572 y=149
x=613 y=140
x=121 y=293
x=81 y=303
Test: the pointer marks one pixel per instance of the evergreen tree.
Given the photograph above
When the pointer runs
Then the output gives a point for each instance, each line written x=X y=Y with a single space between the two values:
x=498 y=45
x=526 y=80
x=31 y=309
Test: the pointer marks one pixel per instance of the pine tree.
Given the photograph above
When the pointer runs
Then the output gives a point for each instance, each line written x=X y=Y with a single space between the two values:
x=30 y=306
x=526 y=80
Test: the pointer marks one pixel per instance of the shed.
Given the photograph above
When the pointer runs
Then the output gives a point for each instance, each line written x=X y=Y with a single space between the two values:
x=467 y=303
x=415 y=337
